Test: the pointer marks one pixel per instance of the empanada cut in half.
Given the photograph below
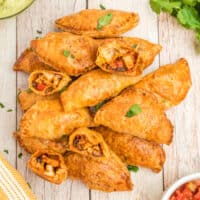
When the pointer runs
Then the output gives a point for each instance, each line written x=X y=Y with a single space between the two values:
x=133 y=150
x=67 y=53
x=136 y=112
x=127 y=56
x=98 y=23
x=44 y=82
x=93 y=88
x=170 y=83
x=48 y=165
x=29 y=62
x=47 y=120
x=99 y=167
x=27 y=98
x=89 y=143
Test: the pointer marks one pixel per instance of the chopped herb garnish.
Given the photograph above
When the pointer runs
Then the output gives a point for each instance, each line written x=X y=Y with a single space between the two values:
x=37 y=37
x=1 y=105
x=98 y=106
x=102 y=7
x=6 y=151
x=29 y=90
x=9 y=110
x=134 y=46
x=28 y=184
x=63 y=89
x=133 y=110
x=20 y=155
x=133 y=168
x=66 y=53
x=104 y=20
x=39 y=32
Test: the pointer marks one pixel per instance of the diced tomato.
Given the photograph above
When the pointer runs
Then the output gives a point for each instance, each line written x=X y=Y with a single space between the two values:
x=40 y=86
x=119 y=63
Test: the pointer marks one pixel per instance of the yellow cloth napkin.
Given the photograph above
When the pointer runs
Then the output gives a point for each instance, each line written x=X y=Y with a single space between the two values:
x=12 y=184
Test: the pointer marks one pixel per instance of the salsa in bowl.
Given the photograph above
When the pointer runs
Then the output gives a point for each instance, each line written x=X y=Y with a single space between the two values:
x=186 y=188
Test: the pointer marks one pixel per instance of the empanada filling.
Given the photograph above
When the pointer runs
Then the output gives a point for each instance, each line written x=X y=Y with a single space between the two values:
x=46 y=83
x=83 y=144
x=48 y=165
x=123 y=62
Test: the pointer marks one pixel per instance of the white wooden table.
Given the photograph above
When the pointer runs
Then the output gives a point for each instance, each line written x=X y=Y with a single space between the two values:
x=183 y=156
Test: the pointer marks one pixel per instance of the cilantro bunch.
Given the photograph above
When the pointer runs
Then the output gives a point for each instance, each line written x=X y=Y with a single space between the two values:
x=187 y=12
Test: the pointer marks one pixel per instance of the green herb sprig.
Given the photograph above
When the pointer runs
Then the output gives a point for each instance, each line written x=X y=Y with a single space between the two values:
x=133 y=110
x=133 y=168
x=104 y=20
x=187 y=12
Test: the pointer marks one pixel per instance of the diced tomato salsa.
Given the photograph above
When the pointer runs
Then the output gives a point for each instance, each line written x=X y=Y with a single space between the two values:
x=188 y=191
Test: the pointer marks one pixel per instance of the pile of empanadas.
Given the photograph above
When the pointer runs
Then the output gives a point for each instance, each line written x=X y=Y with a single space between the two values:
x=88 y=112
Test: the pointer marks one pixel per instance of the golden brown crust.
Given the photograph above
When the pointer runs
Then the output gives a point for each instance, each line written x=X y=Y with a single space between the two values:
x=33 y=144
x=133 y=150
x=29 y=62
x=27 y=98
x=170 y=83
x=45 y=82
x=127 y=56
x=48 y=165
x=94 y=87
x=151 y=123
x=47 y=120
x=86 y=21
x=81 y=52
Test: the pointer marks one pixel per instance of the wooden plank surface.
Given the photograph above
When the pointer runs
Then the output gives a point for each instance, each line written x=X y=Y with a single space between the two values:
x=7 y=88
x=182 y=155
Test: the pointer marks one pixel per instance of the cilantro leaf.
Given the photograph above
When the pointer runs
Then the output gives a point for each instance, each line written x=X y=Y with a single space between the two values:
x=104 y=20
x=134 y=110
x=102 y=7
x=133 y=168
x=164 y=5
x=189 y=18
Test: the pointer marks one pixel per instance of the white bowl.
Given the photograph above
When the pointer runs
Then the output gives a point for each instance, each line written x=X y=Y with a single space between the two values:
x=178 y=183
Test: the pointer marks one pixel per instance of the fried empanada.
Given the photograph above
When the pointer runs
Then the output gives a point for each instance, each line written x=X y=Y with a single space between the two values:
x=133 y=150
x=47 y=120
x=27 y=98
x=29 y=62
x=44 y=82
x=88 y=142
x=66 y=52
x=147 y=119
x=33 y=144
x=98 y=23
x=170 y=83
x=127 y=56
x=95 y=164
x=94 y=87
x=48 y=165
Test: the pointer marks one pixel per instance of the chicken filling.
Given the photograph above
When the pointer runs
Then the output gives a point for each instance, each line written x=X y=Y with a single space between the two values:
x=46 y=83
x=83 y=144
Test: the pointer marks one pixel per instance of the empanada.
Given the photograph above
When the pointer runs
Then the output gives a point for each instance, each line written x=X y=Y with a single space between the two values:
x=95 y=164
x=45 y=82
x=27 y=98
x=98 y=23
x=68 y=53
x=48 y=165
x=47 y=120
x=29 y=62
x=133 y=150
x=128 y=56
x=136 y=112
x=170 y=83
x=94 y=87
